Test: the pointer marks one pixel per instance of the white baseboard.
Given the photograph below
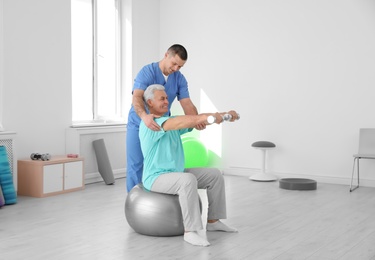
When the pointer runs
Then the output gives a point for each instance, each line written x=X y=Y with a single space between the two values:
x=94 y=177
x=247 y=172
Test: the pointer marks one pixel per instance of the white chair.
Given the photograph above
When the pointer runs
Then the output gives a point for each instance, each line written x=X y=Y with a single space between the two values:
x=366 y=150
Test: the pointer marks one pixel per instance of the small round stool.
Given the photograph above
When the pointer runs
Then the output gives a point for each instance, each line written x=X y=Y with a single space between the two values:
x=263 y=175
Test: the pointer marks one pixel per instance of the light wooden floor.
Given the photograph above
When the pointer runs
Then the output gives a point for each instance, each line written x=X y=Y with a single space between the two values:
x=329 y=223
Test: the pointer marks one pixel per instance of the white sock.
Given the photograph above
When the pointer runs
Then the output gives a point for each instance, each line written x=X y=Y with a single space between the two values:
x=194 y=239
x=220 y=226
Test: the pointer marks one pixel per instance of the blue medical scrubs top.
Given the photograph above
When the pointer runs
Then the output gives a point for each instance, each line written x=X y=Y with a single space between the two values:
x=175 y=86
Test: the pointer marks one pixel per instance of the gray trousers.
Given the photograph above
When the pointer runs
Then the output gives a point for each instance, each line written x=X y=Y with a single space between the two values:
x=186 y=186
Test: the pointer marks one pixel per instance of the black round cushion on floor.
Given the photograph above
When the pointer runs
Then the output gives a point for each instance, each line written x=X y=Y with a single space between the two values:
x=297 y=184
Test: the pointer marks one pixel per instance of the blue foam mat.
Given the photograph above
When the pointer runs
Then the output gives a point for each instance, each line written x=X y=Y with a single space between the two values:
x=6 y=179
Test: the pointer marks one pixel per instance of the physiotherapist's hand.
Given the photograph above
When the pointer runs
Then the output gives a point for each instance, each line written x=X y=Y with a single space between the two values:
x=150 y=123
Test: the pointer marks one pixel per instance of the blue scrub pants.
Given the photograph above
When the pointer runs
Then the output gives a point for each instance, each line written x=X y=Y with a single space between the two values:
x=134 y=158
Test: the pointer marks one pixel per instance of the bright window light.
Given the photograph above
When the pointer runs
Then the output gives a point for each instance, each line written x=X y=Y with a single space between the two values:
x=96 y=85
x=212 y=135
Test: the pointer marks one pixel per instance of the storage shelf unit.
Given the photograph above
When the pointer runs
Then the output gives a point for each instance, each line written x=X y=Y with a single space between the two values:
x=59 y=175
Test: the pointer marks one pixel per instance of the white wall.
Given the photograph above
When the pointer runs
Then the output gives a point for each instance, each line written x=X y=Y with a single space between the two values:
x=301 y=74
x=37 y=74
x=146 y=33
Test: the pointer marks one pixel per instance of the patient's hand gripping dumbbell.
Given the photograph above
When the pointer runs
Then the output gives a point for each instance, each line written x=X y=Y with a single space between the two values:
x=228 y=117
x=43 y=157
x=225 y=117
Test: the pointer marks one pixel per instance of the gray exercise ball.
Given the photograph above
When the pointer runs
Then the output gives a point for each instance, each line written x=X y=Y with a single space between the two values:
x=154 y=214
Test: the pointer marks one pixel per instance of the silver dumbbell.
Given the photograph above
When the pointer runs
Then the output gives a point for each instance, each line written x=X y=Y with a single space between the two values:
x=43 y=157
x=228 y=117
x=225 y=117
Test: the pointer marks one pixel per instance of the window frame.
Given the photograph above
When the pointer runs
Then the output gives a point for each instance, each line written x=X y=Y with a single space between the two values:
x=119 y=117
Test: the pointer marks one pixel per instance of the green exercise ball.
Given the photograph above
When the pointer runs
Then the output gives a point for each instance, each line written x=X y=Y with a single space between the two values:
x=195 y=152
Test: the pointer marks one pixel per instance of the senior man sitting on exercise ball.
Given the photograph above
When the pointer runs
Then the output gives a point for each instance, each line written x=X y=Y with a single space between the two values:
x=164 y=166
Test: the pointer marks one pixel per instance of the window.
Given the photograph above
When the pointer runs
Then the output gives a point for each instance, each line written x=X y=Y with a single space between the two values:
x=96 y=81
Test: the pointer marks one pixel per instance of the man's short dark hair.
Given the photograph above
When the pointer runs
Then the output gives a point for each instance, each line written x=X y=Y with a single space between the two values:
x=179 y=50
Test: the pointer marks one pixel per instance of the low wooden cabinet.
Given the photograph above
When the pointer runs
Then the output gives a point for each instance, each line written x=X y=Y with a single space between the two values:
x=59 y=175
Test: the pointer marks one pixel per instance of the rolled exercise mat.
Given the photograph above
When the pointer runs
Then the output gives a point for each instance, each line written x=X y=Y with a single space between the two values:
x=6 y=178
x=104 y=166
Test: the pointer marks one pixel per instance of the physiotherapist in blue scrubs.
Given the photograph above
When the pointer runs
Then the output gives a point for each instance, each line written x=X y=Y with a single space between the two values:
x=167 y=73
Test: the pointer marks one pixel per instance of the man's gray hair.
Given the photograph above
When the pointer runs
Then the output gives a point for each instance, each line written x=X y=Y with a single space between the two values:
x=150 y=90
